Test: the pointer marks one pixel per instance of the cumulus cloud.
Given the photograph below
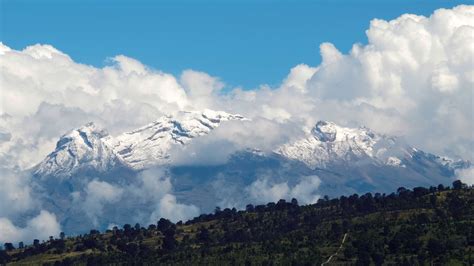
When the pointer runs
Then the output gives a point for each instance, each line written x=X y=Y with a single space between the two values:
x=152 y=185
x=414 y=67
x=15 y=194
x=266 y=190
x=466 y=175
x=43 y=86
x=18 y=203
x=305 y=190
x=144 y=198
x=154 y=190
x=232 y=136
x=169 y=208
x=201 y=87
x=98 y=194
x=298 y=77
x=40 y=227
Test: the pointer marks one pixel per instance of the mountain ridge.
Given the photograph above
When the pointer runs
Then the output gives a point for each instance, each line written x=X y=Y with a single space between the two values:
x=334 y=160
x=150 y=145
x=138 y=149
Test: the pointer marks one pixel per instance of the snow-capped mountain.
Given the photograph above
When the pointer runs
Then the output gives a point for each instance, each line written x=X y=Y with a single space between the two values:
x=329 y=143
x=85 y=147
x=150 y=144
x=340 y=160
x=90 y=147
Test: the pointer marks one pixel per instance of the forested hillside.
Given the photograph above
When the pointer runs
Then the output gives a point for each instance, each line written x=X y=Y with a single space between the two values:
x=418 y=226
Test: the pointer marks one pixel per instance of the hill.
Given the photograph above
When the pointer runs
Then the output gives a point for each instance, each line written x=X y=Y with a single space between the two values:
x=408 y=227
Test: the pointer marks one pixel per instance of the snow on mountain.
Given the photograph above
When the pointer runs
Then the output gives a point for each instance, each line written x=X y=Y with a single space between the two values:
x=150 y=144
x=328 y=143
x=345 y=160
x=86 y=146
x=91 y=147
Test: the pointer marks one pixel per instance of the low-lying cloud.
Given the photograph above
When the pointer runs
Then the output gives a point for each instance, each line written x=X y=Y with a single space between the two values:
x=466 y=175
x=15 y=193
x=98 y=194
x=266 y=190
x=42 y=226
x=144 y=198
x=169 y=207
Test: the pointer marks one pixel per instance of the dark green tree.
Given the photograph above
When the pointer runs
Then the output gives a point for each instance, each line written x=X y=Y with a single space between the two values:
x=8 y=246
x=434 y=247
x=204 y=235
x=459 y=185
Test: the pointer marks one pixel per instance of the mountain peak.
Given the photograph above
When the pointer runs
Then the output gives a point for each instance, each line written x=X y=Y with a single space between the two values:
x=329 y=142
x=327 y=131
x=150 y=144
x=90 y=127
x=87 y=135
x=84 y=146
x=91 y=146
x=324 y=131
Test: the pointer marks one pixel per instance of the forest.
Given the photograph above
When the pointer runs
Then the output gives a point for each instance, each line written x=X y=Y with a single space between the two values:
x=418 y=226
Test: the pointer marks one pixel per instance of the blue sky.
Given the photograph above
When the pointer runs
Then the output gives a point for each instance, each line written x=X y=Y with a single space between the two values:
x=244 y=43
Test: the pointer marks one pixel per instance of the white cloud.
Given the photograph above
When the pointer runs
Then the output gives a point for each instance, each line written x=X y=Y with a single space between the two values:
x=231 y=136
x=298 y=77
x=466 y=175
x=40 y=227
x=198 y=83
x=444 y=80
x=170 y=209
x=43 y=86
x=266 y=190
x=154 y=189
x=144 y=198
x=15 y=194
x=152 y=185
x=415 y=72
x=263 y=190
x=98 y=194
x=305 y=190
x=17 y=203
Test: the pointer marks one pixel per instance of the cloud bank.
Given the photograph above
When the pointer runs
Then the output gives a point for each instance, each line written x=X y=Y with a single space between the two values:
x=265 y=190
x=42 y=226
x=466 y=176
x=17 y=199
x=146 y=198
